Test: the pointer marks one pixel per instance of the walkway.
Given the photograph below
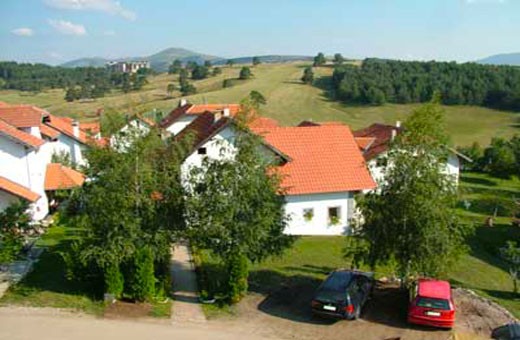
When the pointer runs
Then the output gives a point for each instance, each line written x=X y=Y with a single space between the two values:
x=186 y=306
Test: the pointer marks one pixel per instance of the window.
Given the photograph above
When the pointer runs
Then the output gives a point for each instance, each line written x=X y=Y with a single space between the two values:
x=381 y=162
x=308 y=214
x=202 y=151
x=334 y=215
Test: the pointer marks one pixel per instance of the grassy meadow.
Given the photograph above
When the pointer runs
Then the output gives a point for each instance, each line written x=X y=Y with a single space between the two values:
x=288 y=100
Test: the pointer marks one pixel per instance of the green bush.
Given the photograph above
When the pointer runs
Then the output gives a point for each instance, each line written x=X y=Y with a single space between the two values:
x=238 y=272
x=142 y=287
x=114 y=281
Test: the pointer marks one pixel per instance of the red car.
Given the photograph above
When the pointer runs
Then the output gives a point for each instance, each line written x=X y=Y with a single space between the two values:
x=431 y=304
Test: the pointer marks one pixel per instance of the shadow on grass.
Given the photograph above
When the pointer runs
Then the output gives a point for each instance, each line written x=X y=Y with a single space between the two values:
x=49 y=274
x=479 y=181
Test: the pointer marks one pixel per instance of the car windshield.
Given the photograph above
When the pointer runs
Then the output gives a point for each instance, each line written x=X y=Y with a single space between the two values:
x=337 y=282
x=433 y=303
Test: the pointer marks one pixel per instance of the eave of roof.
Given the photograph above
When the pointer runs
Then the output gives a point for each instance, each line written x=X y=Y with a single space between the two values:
x=18 y=190
x=20 y=136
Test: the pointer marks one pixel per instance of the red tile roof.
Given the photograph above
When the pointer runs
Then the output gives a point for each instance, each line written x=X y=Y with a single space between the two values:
x=58 y=177
x=263 y=122
x=311 y=123
x=383 y=136
x=22 y=115
x=202 y=128
x=323 y=159
x=64 y=125
x=197 y=109
x=18 y=190
x=364 y=143
x=20 y=136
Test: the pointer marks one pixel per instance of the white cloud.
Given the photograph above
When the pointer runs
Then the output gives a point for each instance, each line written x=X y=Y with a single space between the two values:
x=67 y=27
x=107 y=6
x=23 y=32
x=109 y=33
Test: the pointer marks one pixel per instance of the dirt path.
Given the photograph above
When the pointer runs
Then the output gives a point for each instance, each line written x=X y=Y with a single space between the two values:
x=186 y=306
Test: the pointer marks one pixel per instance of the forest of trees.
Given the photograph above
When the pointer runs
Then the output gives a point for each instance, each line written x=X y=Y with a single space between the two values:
x=378 y=81
x=82 y=82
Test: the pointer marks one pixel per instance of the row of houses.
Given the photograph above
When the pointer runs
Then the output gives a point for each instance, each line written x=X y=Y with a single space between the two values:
x=29 y=137
x=323 y=165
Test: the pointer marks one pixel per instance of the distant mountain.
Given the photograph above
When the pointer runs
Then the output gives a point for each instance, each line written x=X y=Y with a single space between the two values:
x=161 y=60
x=158 y=61
x=502 y=59
x=86 y=62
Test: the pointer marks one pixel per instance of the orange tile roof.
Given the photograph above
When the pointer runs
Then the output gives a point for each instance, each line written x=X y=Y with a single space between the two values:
x=19 y=135
x=64 y=125
x=58 y=177
x=92 y=127
x=22 y=115
x=48 y=131
x=2 y=104
x=197 y=109
x=146 y=120
x=263 y=122
x=323 y=159
x=18 y=190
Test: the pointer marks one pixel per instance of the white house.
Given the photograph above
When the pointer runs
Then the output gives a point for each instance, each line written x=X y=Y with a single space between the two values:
x=374 y=142
x=29 y=136
x=321 y=166
x=136 y=127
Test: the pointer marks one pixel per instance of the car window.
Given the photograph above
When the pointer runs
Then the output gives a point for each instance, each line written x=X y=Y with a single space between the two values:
x=433 y=303
x=337 y=281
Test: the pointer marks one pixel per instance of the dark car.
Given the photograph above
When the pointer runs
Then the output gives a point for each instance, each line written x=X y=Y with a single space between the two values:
x=511 y=331
x=343 y=294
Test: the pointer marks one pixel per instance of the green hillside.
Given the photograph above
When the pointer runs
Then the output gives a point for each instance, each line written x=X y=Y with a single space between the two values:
x=289 y=101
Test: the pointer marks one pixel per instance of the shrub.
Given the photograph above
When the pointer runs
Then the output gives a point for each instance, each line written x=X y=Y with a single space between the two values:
x=142 y=287
x=114 y=281
x=238 y=271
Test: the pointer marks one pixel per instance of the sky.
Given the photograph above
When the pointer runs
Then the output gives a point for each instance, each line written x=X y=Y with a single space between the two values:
x=55 y=31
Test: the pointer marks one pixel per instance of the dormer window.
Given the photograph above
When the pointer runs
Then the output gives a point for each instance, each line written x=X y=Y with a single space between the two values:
x=202 y=151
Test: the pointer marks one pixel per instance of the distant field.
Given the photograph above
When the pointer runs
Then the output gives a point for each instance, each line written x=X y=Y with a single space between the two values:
x=289 y=101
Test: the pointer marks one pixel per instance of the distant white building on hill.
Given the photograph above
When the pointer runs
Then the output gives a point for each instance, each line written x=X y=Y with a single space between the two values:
x=127 y=66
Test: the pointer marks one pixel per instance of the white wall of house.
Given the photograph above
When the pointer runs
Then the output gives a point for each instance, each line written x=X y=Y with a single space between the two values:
x=378 y=172
x=128 y=133
x=180 y=124
x=220 y=146
x=6 y=199
x=26 y=167
x=320 y=223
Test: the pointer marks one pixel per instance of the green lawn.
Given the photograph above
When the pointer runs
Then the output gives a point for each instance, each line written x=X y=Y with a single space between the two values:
x=288 y=101
x=47 y=286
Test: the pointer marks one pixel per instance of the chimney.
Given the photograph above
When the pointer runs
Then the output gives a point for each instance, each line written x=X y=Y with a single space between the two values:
x=182 y=102
x=75 y=128
x=398 y=124
x=394 y=133
x=216 y=116
x=226 y=112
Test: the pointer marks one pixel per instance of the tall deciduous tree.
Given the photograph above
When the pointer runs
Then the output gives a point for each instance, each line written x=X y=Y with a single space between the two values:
x=338 y=59
x=319 y=60
x=245 y=73
x=511 y=253
x=132 y=208
x=308 y=75
x=409 y=218
x=256 y=61
x=235 y=210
